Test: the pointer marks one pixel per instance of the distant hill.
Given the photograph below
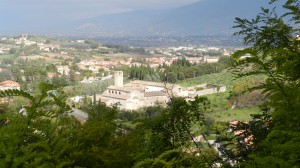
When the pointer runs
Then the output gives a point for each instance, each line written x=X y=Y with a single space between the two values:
x=129 y=23
x=205 y=17
x=213 y=17
x=208 y=17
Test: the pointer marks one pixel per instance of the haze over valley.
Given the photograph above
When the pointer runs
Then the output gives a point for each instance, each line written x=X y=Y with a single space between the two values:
x=205 y=17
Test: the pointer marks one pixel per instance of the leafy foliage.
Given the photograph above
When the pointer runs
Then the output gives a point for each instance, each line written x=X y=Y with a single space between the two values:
x=274 y=52
x=39 y=136
x=180 y=69
x=171 y=134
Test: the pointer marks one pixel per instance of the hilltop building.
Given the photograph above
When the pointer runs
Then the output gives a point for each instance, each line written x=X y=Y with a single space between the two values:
x=137 y=94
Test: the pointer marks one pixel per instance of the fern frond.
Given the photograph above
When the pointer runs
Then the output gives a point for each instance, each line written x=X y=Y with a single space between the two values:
x=15 y=92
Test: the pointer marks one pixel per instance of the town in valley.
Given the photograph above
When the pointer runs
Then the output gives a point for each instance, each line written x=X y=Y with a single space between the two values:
x=28 y=59
x=150 y=84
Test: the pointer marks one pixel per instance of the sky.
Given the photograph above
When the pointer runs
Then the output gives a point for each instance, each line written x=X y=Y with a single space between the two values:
x=77 y=9
x=56 y=15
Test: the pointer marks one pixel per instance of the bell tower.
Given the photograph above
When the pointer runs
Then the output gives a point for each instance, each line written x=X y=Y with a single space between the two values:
x=118 y=78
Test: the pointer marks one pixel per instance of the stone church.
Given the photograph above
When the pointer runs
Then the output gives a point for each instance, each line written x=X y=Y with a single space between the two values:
x=137 y=94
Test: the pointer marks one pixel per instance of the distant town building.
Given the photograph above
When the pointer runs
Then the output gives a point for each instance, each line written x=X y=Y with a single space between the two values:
x=194 y=60
x=119 y=78
x=8 y=84
x=48 y=47
x=210 y=59
x=137 y=94
x=51 y=75
x=90 y=79
x=63 y=69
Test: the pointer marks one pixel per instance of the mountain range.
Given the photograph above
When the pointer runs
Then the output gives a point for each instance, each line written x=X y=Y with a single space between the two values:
x=210 y=17
x=205 y=17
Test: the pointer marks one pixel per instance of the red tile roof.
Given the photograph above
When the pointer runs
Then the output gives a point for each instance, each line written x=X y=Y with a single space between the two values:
x=10 y=83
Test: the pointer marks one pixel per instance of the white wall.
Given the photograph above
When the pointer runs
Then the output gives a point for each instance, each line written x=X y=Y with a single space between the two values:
x=153 y=88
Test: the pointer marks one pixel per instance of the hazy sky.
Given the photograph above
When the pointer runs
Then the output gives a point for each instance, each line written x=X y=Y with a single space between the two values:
x=56 y=15
x=77 y=9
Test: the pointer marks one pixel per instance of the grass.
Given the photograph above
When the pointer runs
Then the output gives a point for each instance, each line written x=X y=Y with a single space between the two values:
x=6 y=56
x=47 y=58
x=225 y=78
x=32 y=57
x=219 y=101
x=234 y=114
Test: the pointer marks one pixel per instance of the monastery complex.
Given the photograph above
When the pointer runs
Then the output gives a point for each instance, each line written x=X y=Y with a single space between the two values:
x=137 y=94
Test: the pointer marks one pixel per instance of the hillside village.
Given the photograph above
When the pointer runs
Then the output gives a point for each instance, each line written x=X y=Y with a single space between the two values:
x=136 y=99
x=27 y=59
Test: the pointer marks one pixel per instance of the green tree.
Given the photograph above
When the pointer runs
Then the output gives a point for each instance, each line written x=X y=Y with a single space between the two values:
x=156 y=77
x=7 y=61
x=175 y=158
x=171 y=129
x=103 y=142
x=75 y=77
x=5 y=75
x=274 y=51
x=48 y=41
x=180 y=76
x=51 y=68
x=12 y=51
x=60 y=81
x=93 y=44
x=34 y=72
x=39 y=136
x=147 y=77
x=171 y=77
x=225 y=60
